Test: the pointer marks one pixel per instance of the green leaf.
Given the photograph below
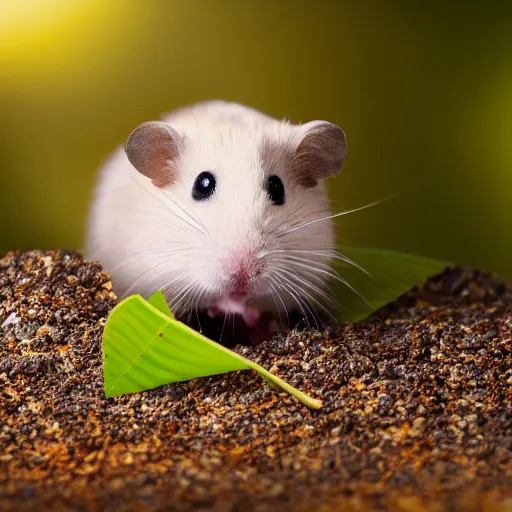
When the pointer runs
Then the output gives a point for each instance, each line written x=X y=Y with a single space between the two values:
x=391 y=274
x=158 y=301
x=144 y=348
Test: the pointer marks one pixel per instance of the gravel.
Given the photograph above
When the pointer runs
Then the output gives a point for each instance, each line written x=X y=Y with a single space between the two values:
x=417 y=407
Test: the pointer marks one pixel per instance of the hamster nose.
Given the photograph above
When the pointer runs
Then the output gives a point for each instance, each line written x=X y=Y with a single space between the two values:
x=241 y=268
x=239 y=282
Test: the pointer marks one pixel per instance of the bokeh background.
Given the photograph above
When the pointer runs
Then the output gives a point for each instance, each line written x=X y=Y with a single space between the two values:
x=422 y=89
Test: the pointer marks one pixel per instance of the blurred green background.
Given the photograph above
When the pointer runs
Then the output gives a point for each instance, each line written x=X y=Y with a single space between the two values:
x=423 y=91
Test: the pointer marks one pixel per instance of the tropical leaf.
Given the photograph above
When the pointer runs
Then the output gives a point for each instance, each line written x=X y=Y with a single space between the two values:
x=388 y=275
x=158 y=301
x=144 y=348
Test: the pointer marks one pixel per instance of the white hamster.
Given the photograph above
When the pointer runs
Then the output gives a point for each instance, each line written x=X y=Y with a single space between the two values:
x=223 y=208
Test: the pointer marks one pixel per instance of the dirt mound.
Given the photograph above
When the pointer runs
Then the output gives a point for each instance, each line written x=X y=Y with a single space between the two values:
x=417 y=407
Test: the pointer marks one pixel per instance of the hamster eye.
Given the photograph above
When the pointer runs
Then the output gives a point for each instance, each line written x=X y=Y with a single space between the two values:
x=204 y=186
x=275 y=189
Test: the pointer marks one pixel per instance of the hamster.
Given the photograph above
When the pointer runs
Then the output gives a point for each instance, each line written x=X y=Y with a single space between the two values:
x=223 y=208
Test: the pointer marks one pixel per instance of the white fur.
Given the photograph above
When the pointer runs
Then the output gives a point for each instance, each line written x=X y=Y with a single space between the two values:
x=150 y=238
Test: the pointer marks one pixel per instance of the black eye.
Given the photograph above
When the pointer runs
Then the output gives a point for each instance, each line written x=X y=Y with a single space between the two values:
x=204 y=186
x=275 y=189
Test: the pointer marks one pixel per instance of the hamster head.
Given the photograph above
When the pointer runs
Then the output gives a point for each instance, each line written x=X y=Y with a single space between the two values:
x=235 y=221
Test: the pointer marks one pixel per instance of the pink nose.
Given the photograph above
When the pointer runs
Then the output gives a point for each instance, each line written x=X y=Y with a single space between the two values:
x=240 y=269
x=239 y=282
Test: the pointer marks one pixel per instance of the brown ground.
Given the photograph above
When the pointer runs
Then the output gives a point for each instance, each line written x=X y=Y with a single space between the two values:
x=417 y=416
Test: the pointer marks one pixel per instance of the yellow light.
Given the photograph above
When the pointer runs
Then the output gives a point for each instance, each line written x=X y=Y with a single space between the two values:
x=23 y=17
x=38 y=35
x=45 y=44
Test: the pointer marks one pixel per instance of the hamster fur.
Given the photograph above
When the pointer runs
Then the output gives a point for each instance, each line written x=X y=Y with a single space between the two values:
x=238 y=251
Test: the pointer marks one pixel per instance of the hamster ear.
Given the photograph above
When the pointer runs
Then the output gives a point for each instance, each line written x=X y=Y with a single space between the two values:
x=320 y=153
x=153 y=148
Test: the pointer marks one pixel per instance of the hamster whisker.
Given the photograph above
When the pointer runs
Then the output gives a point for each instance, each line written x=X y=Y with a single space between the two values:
x=264 y=292
x=193 y=300
x=310 y=269
x=170 y=290
x=312 y=266
x=193 y=296
x=178 y=291
x=300 y=300
x=145 y=274
x=289 y=216
x=328 y=217
x=309 y=266
x=299 y=280
x=178 y=302
x=312 y=299
x=135 y=257
x=319 y=268
x=279 y=284
x=223 y=325
x=279 y=233
x=307 y=262
x=161 y=243
x=194 y=218
x=342 y=257
x=166 y=205
x=315 y=283
x=278 y=308
x=171 y=296
x=330 y=253
x=174 y=226
x=198 y=321
x=199 y=298
x=149 y=191
x=278 y=295
x=141 y=278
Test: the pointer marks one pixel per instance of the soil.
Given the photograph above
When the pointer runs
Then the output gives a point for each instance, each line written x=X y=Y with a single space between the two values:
x=417 y=407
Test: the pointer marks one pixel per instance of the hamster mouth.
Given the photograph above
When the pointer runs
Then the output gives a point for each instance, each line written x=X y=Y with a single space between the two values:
x=231 y=321
x=240 y=325
x=236 y=304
